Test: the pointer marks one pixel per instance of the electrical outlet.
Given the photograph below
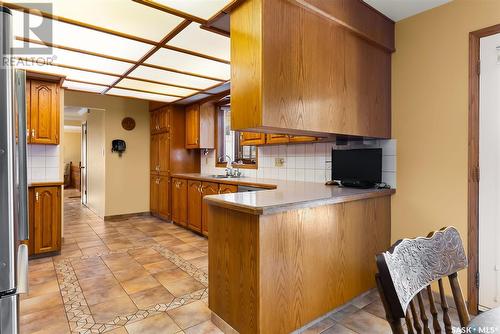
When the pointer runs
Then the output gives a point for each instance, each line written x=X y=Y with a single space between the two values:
x=279 y=162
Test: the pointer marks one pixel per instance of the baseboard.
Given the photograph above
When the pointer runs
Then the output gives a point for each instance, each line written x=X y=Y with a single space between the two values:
x=127 y=216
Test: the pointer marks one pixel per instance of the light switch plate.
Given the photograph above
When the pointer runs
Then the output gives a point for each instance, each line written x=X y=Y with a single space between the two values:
x=279 y=162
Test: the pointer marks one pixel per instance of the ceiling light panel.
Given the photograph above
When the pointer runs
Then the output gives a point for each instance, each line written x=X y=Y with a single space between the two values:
x=188 y=63
x=154 y=88
x=149 y=73
x=80 y=60
x=70 y=74
x=83 y=87
x=85 y=39
x=127 y=17
x=204 y=9
x=195 y=39
x=140 y=95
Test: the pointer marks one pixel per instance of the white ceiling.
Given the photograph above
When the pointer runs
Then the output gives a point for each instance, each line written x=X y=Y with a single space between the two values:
x=401 y=9
x=157 y=50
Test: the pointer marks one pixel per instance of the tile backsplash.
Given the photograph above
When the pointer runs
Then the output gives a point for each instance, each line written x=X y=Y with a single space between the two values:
x=307 y=162
x=43 y=163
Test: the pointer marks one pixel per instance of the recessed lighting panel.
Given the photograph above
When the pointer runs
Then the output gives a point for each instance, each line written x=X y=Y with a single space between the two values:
x=140 y=95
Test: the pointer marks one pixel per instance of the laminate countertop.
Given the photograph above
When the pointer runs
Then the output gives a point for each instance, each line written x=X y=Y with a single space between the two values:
x=281 y=195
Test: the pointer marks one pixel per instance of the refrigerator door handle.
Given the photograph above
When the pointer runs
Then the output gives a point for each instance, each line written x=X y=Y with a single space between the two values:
x=20 y=89
x=22 y=269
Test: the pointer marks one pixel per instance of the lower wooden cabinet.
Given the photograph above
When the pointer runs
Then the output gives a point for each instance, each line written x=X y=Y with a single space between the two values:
x=44 y=220
x=227 y=188
x=159 y=196
x=194 y=205
x=179 y=201
x=207 y=188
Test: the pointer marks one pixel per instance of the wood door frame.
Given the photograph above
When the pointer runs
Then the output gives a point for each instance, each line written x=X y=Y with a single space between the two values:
x=473 y=164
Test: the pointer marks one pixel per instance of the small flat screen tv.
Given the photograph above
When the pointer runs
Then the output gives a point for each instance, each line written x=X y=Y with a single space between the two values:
x=362 y=165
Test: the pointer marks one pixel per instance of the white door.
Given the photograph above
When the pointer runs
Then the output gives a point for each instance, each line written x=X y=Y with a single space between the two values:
x=489 y=164
x=83 y=166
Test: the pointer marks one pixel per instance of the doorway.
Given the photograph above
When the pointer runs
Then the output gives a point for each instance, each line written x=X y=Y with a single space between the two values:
x=484 y=153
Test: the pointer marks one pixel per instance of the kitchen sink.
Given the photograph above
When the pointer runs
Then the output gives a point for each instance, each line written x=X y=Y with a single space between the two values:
x=218 y=176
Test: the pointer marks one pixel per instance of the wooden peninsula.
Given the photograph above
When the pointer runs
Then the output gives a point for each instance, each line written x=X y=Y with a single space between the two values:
x=279 y=259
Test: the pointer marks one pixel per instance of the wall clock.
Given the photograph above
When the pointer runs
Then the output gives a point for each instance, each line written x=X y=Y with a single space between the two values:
x=128 y=123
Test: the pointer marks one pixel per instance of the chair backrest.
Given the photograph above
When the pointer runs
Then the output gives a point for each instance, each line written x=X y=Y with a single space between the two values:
x=406 y=272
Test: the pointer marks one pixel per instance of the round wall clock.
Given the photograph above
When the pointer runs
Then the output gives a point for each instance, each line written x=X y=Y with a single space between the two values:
x=128 y=123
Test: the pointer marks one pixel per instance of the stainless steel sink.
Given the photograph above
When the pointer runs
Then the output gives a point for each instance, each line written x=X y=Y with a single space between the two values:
x=217 y=176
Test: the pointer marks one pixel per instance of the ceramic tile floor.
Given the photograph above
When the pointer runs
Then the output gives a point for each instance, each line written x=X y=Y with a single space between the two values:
x=141 y=275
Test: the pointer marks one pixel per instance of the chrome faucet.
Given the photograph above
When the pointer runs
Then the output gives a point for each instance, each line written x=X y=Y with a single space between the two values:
x=230 y=171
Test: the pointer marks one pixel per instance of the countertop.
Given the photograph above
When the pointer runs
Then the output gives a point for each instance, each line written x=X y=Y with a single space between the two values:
x=45 y=183
x=286 y=195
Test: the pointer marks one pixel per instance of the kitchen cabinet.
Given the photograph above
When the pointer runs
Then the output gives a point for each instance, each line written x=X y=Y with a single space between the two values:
x=160 y=120
x=341 y=85
x=44 y=220
x=302 y=139
x=179 y=201
x=200 y=125
x=227 y=188
x=43 y=112
x=252 y=138
x=207 y=188
x=159 y=196
x=168 y=154
x=277 y=139
x=160 y=153
x=194 y=205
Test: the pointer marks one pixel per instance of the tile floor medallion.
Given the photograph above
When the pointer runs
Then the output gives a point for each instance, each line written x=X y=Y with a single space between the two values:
x=141 y=275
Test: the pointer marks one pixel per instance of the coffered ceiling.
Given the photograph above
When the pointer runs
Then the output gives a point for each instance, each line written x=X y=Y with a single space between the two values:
x=161 y=50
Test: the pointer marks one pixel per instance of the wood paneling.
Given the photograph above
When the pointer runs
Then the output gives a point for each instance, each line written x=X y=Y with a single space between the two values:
x=306 y=74
x=179 y=201
x=194 y=207
x=276 y=273
x=46 y=219
x=207 y=188
x=43 y=111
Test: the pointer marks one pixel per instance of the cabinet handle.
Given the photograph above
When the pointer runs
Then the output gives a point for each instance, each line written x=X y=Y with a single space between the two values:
x=157 y=181
x=197 y=140
x=33 y=132
x=200 y=189
x=37 y=196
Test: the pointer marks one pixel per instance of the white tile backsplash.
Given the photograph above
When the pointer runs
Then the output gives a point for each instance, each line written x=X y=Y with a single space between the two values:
x=43 y=162
x=308 y=162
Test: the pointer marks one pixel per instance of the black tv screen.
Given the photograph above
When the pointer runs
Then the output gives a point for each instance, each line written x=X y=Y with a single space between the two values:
x=357 y=165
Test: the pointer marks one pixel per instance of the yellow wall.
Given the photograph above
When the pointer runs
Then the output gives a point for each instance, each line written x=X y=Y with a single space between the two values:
x=126 y=178
x=72 y=147
x=430 y=110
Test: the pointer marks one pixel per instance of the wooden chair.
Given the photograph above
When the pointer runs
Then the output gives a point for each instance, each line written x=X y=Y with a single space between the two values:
x=406 y=271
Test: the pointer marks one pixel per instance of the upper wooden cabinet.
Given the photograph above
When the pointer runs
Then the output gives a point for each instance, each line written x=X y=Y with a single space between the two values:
x=277 y=139
x=252 y=138
x=160 y=153
x=43 y=112
x=200 y=125
x=310 y=71
x=160 y=120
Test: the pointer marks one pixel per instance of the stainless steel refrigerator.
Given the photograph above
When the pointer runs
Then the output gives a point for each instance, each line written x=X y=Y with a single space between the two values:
x=13 y=183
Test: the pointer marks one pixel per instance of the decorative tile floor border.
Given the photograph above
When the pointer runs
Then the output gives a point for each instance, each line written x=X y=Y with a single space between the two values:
x=78 y=312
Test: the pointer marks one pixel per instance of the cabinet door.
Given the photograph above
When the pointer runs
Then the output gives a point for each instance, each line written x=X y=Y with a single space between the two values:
x=227 y=188
x=163 y=119
x=153 y=193
x=179 y=201
x=163 y=153
x=301 y=139
x=251 y=138
x=154 y=122
x=207 y=188
x=193 y=126
x=163 y=197
x=44 y=112
x=31 y=209
x=154 y=154
x=194 y=207
x=47 y=219
x=276 y=139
